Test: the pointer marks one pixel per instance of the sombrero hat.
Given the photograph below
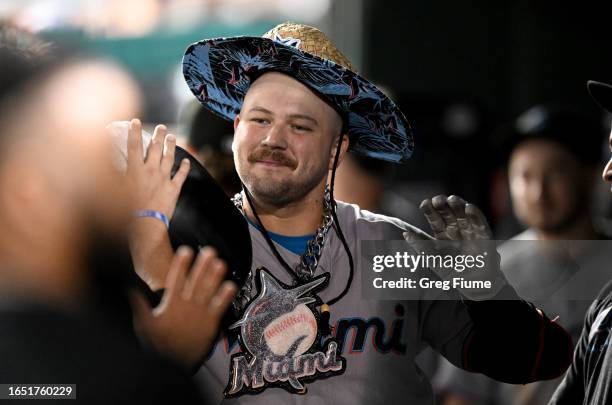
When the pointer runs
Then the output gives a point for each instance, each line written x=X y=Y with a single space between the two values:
x=219 y=72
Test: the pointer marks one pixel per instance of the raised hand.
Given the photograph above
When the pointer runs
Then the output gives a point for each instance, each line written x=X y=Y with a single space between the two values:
x=185 y=323
x=150 y=178
x=147 y=164
x=453 y=220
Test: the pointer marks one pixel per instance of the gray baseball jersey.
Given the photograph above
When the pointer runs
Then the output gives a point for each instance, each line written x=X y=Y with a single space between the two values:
x=378 y=340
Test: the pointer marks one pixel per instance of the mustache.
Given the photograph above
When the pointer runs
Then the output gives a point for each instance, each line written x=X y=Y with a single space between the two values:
x=273 y=155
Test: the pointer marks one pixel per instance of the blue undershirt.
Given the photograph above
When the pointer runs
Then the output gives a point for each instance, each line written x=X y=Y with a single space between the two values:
x=294 y=244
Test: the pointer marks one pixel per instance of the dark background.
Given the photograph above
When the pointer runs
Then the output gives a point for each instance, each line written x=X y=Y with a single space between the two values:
x=492 y=59
x=507 y=55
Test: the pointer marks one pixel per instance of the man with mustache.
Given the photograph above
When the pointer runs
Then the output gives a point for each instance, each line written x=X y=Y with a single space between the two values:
x=298 y=106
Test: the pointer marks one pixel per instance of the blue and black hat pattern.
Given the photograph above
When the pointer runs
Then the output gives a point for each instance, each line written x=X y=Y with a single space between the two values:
x=220 y=71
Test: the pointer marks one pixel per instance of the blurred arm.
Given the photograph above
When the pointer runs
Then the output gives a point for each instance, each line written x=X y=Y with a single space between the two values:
x=151 y=251
x=513 y=342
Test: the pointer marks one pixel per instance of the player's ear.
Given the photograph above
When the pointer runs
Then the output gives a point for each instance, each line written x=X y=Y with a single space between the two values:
x=236 y=123
x=343 y=150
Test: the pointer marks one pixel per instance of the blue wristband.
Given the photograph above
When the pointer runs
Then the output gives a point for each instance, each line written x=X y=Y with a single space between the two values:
x=153 y=214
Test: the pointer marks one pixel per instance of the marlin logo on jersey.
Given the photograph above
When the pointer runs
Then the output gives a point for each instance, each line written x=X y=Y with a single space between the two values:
x=280 y=340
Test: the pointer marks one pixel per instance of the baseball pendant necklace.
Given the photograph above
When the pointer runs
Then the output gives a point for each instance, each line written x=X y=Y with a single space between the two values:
x=281 y=331
x=306 y=267
x=310 y=258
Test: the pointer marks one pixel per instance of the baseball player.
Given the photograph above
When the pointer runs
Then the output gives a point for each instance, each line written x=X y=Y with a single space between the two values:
x=587 y=381
x=303 y=333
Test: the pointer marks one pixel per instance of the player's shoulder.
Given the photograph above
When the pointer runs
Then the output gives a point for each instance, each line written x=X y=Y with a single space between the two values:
x=605 y=295
x=370 y=224
x=602 y=303
x=597 y=317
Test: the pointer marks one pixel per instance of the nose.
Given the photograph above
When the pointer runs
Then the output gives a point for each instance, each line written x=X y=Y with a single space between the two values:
x=607 y=172
x=275 y=138
x=536 y=189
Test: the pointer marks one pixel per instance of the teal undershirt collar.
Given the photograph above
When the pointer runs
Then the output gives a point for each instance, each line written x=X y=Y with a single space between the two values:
x=294 y=244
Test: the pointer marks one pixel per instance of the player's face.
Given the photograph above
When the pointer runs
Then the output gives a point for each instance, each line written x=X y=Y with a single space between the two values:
x=607 y=172
x=547 y=184
x=283 y=140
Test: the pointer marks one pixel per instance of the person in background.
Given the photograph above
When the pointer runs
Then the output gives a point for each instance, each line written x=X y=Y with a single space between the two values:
x=552 y=157
x=369 y=183
x=209 y=139
x=361 y=181
x=64 y=280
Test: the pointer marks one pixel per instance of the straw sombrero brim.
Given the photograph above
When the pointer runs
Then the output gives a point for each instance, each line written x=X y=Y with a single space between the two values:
x=219 y=72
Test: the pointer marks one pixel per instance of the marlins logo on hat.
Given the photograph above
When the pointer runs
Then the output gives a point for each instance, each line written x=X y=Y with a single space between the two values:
x=219 y=72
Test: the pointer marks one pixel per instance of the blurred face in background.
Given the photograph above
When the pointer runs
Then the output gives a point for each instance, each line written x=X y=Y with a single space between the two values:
x=221 y=167
x=283 y=140
x=361 y=185
x=549 y=187
x=59 y=190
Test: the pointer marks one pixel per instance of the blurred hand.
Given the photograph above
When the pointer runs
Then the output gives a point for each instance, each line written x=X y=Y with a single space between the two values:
x=150 y=178
x=185 y=323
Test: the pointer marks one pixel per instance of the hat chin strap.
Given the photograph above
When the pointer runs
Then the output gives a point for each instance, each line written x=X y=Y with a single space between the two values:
x=325 y=315
x=337 y=227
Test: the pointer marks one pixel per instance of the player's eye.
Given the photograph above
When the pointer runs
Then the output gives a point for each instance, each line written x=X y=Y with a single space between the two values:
x=259 y=120
x=301 y=128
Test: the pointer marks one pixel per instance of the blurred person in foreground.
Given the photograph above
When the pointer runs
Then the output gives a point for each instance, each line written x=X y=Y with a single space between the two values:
x=552 y=157
x=64 y=277
x=295 y=101
x=589 y=378
x=209 y=139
